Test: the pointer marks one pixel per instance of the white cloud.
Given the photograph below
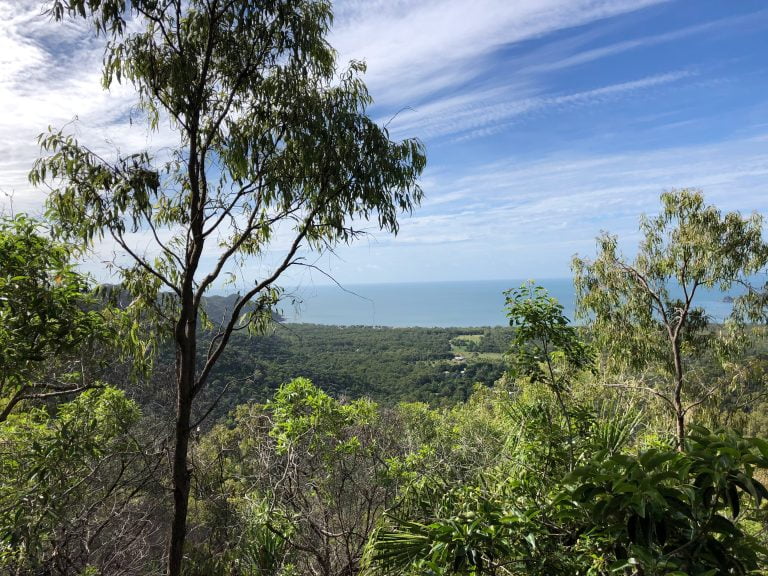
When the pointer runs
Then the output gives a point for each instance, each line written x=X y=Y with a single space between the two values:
x=416 y=48
x=479 y=220
x=481 y=113
x=50 y=75
x=566 y=53
x=513 y=219
x=50 y=72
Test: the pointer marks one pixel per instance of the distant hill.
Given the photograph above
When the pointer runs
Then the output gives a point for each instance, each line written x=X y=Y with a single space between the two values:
x=218 y=308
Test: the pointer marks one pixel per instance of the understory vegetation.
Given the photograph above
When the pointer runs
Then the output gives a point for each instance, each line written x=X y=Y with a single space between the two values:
x=512 y=481
x=335 y=451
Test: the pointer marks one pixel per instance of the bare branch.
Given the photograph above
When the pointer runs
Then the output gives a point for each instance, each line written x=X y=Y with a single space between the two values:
x=118 y=236
x=287 y=261
x=637 y=387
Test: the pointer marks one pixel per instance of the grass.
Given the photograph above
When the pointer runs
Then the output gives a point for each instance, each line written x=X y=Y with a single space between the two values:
x=460 y=350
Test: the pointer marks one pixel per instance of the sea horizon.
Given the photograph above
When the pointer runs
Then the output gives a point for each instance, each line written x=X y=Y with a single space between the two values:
x=439 y=304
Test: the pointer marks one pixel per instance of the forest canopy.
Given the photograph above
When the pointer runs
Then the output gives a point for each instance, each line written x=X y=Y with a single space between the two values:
x=526 y=450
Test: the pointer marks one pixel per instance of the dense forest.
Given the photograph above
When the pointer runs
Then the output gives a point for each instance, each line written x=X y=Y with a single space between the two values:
x=535 y=449
x=148 y=428
x=388 y=365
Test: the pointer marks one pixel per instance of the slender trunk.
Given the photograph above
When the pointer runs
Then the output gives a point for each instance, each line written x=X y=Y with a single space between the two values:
x=678 y=396
x=181 y=475
x=181 y=485
x=571 y=459
x=186 y=357
x=554 y=385
x=680 y=426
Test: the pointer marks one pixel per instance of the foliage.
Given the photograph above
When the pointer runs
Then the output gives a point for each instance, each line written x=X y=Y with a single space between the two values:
x=70 y=471
x=388 y=365
x=51 y=322
x=667 y=512
x=270 y=138
x=644 y=511
x=68 y=485
x=543 y=337
x=256 y=542
x=545 y=347
x=475 y=502
x=633 y=505
x=302 y=413
x=643 y=313
x=471 y=531
x=315 y=469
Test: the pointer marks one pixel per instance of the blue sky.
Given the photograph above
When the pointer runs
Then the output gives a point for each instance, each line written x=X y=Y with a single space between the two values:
x=545 y=121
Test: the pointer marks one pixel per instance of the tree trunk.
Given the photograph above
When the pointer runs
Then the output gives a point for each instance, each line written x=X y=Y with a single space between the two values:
x=181 y=475
x=571 y=459
x=678 y=396
x=181 y=484
x=186 y=361
x=680 y=427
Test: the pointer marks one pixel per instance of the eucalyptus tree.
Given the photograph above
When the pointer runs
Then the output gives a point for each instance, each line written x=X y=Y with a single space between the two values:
x=275 y=155
x=644 y=311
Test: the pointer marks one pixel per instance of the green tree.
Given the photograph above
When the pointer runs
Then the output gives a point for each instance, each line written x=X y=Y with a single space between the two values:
x=69 y=485
x=643 y=312
x=545 y=348
x=51 y=322
x=311 y=469
x=270 y=138
x=482 y=481
x=470 y=531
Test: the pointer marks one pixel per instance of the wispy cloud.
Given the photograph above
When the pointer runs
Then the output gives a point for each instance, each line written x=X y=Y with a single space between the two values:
x=50 y=72
x=470 y=71
x=482 y=113
x=50 y=75
x=510 y=219
x=567 y=54
x=415 y=49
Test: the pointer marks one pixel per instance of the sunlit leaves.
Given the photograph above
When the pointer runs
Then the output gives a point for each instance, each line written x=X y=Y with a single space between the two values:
x=543 y=337
x=51 y=319
x=480 y=534
x=546 y=348
x=311 y=471
x=302 y=414
x=644 y=310
x=675 y=512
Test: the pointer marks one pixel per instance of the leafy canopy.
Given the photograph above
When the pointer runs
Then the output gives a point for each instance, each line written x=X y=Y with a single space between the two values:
x=269 y=137
x=275 y=155
x=644 y=312
x=51 y=320
x=636 y=307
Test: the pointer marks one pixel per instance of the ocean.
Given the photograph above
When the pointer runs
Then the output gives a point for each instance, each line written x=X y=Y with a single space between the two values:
x=432 y=304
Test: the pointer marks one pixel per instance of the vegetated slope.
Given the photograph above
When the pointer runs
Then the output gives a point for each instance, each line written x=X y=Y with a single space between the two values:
x=389 y=365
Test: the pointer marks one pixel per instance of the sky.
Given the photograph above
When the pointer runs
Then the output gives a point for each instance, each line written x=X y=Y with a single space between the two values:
x=545 y=121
